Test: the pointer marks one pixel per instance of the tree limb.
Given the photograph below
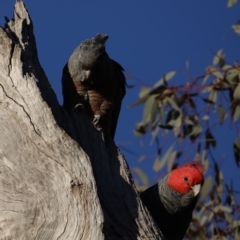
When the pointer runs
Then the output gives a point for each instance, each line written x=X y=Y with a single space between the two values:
x=58 y=178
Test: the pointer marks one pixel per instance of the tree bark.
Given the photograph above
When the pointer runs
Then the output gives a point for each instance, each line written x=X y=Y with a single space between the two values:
x=58 y=178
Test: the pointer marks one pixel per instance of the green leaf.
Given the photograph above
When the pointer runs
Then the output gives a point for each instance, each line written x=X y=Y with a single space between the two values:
x=205 y=79
x=203 y=220
x=143 y=96
x=213 y=96
x=236 y=113
x=171 y=160
x=221 y=208
x=205 y=161
x=227 y=67
x=150 y=109
x=141 y=188
x=221 y=113
x=164 y=79
x=219 y=181
x=219 y=58
x=236 y=224
x=172 y=116
x=140 y=130
x=236 y=28
x=188 y=121
x=206 y=188
x=231 y=3
x=232 y=76
x=173 y=104
x=217 y=74
x=142 y=176
x=159 y=164
x=196 y=130
x=177 y=125
x=236 y=94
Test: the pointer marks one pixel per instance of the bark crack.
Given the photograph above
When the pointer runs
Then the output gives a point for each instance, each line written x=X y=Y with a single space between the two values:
x=30 y=120
x=65 y=225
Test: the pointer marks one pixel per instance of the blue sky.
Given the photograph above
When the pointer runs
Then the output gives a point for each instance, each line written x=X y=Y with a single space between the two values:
x=148 y=38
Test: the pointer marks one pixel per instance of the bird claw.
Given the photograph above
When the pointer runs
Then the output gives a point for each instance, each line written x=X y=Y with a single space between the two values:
x=95 y=122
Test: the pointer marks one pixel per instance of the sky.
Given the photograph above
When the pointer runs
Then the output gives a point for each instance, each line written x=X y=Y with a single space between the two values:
x=148 y=38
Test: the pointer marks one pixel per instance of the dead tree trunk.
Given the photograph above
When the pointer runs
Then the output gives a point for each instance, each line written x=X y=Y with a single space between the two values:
x=58 y=179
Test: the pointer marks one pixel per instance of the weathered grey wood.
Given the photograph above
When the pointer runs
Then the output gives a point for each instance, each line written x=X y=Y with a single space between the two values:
x=58 y=178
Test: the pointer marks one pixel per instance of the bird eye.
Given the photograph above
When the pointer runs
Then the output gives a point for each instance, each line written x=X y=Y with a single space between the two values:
x=185 y=179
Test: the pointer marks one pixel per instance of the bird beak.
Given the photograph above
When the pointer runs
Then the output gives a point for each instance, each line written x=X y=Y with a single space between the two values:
x=196 y=189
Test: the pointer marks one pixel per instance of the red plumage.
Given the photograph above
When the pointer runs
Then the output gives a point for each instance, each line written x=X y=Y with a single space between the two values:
x=192 y=171
x=172 y=200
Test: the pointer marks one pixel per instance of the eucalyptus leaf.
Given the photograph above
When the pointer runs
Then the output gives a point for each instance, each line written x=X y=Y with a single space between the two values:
x=143 y=96
x=221 y=113
x=164 y=79
x=236 y=28
x=142 y=176
x=160 y=163
x=236 y=94
x=236 y=113
x=231 y=3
